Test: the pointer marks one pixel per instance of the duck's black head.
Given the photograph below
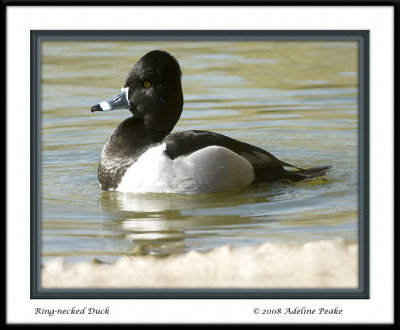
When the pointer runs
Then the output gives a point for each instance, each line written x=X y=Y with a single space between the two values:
x=152 y=92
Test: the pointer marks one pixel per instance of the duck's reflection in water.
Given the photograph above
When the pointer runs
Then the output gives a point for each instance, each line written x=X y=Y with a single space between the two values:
x=162 y=224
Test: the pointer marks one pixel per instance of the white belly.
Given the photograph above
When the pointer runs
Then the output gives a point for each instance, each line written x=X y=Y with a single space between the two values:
x=210 y=170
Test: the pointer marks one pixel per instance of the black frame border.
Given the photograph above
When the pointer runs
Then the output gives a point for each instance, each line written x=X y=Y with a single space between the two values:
x=215 y=35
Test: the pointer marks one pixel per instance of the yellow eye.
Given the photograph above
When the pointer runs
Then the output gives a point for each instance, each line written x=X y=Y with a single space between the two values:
x=146 y=84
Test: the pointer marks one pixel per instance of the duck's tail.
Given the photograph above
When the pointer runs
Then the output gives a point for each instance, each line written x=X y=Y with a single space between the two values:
x=305 y=175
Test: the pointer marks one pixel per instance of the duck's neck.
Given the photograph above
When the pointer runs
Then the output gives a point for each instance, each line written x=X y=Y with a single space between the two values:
x=130 y=138
x=162 y=118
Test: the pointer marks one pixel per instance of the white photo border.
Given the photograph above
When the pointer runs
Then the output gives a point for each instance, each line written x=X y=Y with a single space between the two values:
x=378 y=20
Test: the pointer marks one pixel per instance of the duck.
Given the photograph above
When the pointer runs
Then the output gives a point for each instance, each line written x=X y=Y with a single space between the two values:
x=143 y=155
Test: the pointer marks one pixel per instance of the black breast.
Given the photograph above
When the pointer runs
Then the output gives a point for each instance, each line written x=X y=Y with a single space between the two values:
x=126 y=144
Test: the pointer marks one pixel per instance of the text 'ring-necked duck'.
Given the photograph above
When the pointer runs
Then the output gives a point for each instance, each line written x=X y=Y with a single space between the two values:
x=143 y=156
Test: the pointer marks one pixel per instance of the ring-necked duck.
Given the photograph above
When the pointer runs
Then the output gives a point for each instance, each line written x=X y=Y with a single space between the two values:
x=142 y=155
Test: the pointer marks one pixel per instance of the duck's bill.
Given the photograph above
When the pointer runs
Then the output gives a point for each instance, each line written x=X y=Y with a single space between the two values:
x=119 y=101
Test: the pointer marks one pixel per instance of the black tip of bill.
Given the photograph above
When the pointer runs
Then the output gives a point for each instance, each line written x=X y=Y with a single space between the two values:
x=96 y=107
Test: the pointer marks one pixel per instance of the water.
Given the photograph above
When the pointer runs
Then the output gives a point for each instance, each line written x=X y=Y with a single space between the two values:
x=298 y=100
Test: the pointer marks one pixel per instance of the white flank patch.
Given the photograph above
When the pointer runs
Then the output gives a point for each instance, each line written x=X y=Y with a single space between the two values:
x=209 y=170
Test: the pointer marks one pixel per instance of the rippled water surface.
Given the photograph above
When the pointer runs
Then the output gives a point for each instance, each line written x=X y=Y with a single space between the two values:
x=298 y=100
